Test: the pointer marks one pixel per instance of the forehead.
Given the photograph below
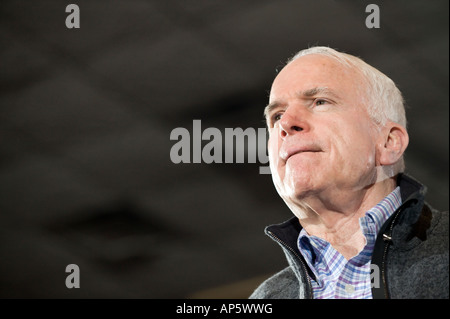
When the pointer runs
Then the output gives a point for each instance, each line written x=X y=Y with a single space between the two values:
x=315 y=71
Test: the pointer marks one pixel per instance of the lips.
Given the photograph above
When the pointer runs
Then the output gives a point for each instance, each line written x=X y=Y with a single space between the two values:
x=286 y=153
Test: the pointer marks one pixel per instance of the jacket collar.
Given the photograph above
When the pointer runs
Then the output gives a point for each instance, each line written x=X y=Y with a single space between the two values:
x=412 y=193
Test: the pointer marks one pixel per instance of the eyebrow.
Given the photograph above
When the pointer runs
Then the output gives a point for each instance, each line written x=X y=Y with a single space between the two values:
x=302 y=95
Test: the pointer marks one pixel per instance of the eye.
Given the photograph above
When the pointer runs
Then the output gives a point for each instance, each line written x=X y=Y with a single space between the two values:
x=276 y=117
x=320 y=102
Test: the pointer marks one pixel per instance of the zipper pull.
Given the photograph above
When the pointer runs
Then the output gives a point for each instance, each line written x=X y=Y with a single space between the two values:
x=386 y=237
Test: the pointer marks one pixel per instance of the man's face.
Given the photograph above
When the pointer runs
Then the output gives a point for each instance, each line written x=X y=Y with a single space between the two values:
x=321 y=139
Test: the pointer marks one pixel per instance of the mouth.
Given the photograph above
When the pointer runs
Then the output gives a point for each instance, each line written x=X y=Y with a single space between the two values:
x=285 y=156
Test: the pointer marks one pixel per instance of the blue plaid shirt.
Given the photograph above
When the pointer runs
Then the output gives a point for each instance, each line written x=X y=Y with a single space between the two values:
x=339 y=278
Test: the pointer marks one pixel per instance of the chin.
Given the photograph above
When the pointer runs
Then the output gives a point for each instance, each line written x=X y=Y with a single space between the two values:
x=296 y=190
x=295 y=183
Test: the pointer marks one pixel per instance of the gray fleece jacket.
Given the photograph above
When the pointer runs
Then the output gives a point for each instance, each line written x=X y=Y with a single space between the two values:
x=411 y=253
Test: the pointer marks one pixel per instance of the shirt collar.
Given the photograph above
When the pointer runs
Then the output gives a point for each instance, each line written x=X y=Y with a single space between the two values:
x=371 y=222
x=375 y=217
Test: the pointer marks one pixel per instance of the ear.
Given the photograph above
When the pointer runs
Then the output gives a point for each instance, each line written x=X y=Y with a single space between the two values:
x=393 y=143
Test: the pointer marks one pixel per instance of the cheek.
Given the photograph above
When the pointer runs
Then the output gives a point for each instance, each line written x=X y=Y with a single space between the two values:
x=273 y=149
x=358 y=152
x=351 y=143
x=278 y=170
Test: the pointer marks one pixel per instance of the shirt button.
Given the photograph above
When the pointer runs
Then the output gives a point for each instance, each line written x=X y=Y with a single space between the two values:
x=349 y=289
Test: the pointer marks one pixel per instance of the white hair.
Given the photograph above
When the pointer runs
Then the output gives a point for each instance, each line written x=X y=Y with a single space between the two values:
x=383 y=99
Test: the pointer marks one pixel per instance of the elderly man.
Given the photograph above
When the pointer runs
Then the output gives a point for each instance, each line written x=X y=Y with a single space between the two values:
x=337 y=134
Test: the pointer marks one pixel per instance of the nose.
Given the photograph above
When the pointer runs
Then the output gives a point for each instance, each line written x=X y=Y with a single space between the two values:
x=291 y=124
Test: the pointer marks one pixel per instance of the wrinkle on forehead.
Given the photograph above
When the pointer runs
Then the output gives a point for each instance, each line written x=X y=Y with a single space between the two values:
x=309 y=64
x=323 y=91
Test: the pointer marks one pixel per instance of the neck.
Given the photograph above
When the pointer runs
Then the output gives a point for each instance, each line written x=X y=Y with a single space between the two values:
x=336 y=218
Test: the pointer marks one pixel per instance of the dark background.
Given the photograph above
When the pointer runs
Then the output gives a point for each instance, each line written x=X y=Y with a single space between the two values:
x=86 y=115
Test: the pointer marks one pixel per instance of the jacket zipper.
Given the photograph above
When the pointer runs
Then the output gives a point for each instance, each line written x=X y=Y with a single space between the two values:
x=299 y=258
x=387 y=238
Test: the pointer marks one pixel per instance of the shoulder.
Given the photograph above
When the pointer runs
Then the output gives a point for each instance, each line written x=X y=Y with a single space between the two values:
x=418 y=268
x=441 y=222
x=282 y=285
x=437 y=228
